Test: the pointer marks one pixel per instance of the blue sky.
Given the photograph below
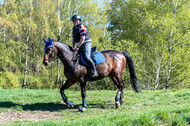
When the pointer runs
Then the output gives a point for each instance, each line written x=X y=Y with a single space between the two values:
x=1 y=1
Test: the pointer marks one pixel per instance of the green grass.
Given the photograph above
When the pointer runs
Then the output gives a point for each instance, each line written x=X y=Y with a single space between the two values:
x=147 y=108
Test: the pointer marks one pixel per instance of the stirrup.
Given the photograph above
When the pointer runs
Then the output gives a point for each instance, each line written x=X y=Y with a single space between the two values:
x=95 y=74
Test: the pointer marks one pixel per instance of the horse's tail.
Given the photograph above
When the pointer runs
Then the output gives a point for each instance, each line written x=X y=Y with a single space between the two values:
x=132 y=72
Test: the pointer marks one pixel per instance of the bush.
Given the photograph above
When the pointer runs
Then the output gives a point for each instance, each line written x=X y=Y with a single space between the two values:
x=9 y=80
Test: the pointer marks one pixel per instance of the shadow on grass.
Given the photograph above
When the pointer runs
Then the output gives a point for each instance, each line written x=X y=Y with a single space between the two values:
x=36 y=106
x=102 y=106
x=49 y=106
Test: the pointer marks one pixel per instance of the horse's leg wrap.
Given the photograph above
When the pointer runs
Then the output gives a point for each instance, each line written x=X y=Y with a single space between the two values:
x=117 y=99
x=121 y=98
x=82 y=109
x=84 y=102
x=83 y=93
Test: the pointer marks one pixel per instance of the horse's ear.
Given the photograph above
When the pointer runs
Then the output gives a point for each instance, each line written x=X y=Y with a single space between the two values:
x=45 y=40
x=50 y=41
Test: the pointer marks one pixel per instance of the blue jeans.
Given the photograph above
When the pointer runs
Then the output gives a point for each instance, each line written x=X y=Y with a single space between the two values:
x=86 y=47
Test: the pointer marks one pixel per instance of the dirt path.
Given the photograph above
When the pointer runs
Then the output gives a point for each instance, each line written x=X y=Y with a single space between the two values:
x=12 y=116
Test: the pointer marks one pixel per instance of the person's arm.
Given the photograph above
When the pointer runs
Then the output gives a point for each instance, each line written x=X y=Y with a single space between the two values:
x=73 y=43
x=83 y=31
x=82 y=38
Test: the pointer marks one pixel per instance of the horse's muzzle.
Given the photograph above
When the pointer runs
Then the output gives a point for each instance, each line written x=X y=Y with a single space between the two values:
x=46 y=63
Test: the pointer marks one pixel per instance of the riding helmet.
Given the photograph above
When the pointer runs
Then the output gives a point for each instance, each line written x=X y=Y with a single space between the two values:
x=76 y=17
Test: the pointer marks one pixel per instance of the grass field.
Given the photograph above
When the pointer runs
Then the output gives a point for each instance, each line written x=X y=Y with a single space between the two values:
x=45 y=107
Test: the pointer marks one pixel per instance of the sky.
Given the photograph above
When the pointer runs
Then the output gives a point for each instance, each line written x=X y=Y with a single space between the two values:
x=1 y=1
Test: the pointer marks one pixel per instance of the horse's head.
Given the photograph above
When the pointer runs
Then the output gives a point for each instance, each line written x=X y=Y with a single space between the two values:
x=50 y=52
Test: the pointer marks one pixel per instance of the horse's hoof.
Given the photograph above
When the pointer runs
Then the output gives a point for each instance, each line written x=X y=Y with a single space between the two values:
x=121 y=102
x=82 y=109
x=117 y=104
x=70 y=104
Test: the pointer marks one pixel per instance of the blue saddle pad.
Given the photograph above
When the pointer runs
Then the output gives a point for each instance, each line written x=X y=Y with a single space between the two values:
x=99 y=58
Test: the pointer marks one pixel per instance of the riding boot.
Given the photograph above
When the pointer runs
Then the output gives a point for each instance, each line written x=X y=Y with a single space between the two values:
x=93 y=67
x=95 y=73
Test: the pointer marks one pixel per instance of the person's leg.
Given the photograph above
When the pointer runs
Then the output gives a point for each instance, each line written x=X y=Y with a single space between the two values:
x=87 y=53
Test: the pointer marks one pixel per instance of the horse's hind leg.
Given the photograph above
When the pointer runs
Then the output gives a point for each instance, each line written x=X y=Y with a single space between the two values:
x=122 y=97
x=119 y=98
x=83 y=93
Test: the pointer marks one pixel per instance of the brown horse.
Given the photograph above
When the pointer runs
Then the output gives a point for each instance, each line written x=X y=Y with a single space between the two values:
x=113 y=67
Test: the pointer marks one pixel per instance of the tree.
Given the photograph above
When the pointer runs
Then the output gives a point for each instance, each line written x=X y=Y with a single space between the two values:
x=26 y=23
x=156 y=28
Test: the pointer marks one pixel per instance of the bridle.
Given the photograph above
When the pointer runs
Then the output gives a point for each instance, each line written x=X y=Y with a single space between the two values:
x=51 y=55
x=51 y=58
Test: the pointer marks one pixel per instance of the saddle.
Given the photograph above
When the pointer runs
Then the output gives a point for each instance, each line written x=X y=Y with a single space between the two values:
x=96 y=56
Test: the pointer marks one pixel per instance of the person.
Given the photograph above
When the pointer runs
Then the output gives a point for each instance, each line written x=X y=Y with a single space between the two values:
x=82 y=38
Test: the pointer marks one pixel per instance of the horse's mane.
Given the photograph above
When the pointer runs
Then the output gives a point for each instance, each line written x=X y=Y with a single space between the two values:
x=65 y=45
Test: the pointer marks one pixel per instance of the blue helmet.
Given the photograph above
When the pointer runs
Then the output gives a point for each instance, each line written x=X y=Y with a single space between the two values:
x=76 y=17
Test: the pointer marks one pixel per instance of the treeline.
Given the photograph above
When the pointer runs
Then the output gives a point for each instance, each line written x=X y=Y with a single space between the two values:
x=154 y=32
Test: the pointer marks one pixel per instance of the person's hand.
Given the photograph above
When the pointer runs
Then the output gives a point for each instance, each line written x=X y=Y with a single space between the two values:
x=77 y=48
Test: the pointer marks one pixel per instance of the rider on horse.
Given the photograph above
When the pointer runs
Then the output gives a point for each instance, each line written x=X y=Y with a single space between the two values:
x=82 y=38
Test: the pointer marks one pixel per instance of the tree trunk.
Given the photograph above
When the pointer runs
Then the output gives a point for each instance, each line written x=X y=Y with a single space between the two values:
x=26 y=53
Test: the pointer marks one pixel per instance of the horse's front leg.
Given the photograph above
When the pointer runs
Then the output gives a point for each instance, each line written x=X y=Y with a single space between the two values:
x=67 y=84
x=83 y=93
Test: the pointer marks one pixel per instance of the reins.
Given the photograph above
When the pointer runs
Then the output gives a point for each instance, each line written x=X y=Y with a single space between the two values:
x=51 y=58
x=72 y=60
